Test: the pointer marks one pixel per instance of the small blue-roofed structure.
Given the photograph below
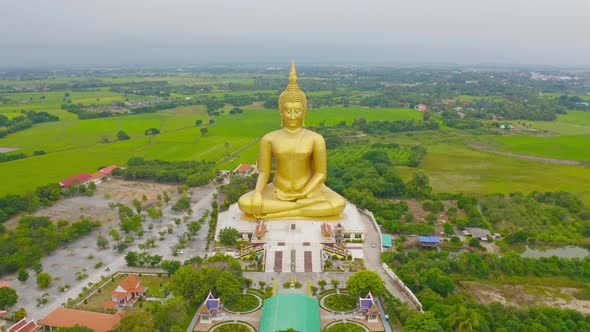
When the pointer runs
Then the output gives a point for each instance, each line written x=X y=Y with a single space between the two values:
x=368 y=308
x=211 y=309
x=386 y=241
x=429 y=241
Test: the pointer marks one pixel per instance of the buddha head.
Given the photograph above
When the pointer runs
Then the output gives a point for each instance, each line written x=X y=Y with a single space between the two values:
x=292 y=103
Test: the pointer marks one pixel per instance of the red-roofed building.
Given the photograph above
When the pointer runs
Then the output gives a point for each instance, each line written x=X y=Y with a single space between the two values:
x=109 y=169
x=24 y=326
x=81 y=178
x=421 y=108
x=63 y=317
x=245 y=169
x=97 y=177
x=126 y=294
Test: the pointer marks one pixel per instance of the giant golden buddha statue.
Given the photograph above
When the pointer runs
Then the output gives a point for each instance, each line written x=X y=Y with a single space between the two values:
x=298 y=188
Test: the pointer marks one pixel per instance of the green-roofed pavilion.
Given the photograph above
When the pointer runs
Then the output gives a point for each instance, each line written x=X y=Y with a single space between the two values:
x=296 y=311
x=386 y=241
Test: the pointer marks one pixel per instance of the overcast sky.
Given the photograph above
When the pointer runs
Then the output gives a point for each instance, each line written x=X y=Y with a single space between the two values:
x=87 y=32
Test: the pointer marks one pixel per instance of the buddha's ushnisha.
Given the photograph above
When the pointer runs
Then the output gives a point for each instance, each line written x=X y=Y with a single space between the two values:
x=297 y=189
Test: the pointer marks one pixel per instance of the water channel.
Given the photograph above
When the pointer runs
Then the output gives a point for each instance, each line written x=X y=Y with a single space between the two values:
x=561 y=252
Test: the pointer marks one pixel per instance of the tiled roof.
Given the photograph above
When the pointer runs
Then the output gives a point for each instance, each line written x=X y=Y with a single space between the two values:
x=29 y=326
x=63 y=317
x=109 y=169
x=243 y=168
x=82 y=177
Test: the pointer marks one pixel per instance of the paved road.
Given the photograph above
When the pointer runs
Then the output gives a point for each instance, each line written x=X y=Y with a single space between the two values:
x=373 y=258
x=64 y=262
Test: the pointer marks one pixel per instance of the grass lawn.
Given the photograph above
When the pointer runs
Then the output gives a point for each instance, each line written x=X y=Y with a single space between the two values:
x=241 y=303
x=340 y=302
x=95 y=302
x=457 y=168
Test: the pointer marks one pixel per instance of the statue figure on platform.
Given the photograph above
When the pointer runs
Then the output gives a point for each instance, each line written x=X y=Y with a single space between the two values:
x=297 y=189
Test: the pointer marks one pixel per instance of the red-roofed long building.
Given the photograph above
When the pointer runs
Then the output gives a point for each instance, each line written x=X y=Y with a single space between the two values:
x=245 y=169
x=81 y=178
x=64 y=317
x=24 y=325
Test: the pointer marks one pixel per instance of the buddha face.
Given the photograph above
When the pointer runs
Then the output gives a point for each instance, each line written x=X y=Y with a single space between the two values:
x=293 y=115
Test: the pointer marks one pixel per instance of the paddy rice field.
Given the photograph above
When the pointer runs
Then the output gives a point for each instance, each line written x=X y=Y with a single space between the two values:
x=73 y=146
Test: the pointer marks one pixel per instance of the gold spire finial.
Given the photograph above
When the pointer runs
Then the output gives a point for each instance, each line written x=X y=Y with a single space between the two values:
x=293 y=73
x=293 y=92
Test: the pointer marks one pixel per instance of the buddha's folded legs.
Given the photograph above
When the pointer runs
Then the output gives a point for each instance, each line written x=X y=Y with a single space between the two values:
x=324 y=202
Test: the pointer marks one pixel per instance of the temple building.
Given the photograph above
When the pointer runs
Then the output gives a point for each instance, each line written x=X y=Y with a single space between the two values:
x=367 y=307
x=211 y=309
x=126 y=294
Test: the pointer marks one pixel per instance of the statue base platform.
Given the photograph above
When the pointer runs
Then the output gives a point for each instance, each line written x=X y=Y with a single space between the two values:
x=298 y=245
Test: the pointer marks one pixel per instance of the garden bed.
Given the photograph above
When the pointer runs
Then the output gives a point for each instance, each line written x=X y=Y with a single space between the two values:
x=242 y=303
x=339 y=302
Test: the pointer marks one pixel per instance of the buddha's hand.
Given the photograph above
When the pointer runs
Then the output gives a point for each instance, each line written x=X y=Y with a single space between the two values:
x=257 y=204
x=283 y=196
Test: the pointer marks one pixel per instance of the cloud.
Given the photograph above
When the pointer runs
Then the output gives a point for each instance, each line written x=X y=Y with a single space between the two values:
x=207 y=31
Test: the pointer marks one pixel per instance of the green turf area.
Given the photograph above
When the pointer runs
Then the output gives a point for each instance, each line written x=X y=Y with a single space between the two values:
x=75 y=146
x=455 y=168
x=562 y=147
x=569 y=138
x=242 y=303
x=340 y=302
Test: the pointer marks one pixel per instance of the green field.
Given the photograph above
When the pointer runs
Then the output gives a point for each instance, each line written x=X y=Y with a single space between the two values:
x=75 y=146
x=567 y=138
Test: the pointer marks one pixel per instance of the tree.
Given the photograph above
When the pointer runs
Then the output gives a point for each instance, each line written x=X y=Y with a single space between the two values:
x=314 y=290
x=198 y=122
x=23 y=275
x=422 y=322
x=438 y=281
x=136 y=321
x=227 y=285
x=204 y=130
x=152 y=131
x=262 y=283
x=121 y=135
x=360 y=283
x=131 y=258
x=170 y=266
x=211 y=121
x=137 y=204
x=169 y=313
x=154 y=213
x=102 y=242
x=464 y=319
x=20 y=314
x=419 y=186
x=44 y=280
x=335 y=283
x=322 y=283
x=8 y=297
x=37 y=267
x=183 y=203
x=229 y=236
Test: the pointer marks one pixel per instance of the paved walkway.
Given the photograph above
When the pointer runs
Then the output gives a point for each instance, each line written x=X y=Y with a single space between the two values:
x=373 y=260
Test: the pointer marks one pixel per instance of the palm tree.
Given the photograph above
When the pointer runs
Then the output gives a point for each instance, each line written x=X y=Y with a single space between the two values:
x=464 y=320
